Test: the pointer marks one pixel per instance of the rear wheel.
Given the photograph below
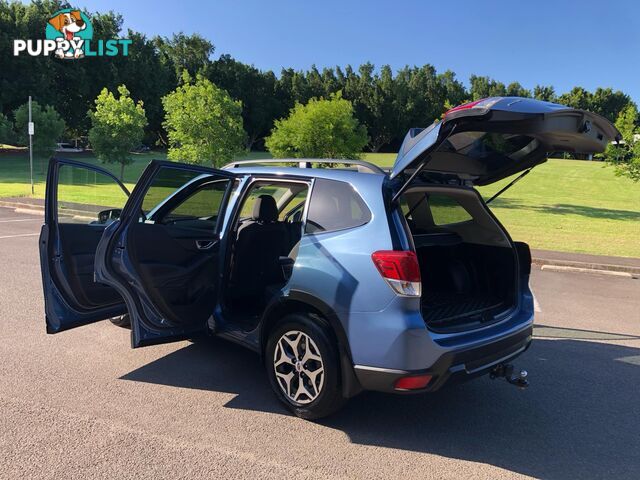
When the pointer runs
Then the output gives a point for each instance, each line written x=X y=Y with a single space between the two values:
x=303 y=368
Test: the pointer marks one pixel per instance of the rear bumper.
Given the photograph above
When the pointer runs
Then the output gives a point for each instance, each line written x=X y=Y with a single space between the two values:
x=453 y=366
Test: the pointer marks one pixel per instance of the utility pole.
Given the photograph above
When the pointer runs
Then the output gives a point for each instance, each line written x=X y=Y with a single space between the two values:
x=31 y=132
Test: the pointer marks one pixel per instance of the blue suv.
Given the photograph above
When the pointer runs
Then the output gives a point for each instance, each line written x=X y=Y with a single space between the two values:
x=343 y=279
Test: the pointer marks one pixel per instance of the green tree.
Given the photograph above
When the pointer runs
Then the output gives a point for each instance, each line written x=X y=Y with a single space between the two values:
x=185 y=52
x=514 y=89
x=578 y=97
x=456 y=94
x=608 y=103
x=48 y=127
x=543 y=92
x=204 y=124
x=626 y=156
x=148 y=79
x=117 y=127
x=320 y=129
x=255 y=89
x=6 y=130
x=484 y=87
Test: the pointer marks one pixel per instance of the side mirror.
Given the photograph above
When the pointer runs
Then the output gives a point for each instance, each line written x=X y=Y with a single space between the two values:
x=106 y=216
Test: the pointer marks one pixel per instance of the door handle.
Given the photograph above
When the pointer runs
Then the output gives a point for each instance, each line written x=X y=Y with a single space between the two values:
x=205 y=244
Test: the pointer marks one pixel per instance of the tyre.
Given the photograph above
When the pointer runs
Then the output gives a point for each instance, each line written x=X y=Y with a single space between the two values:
x=122 y=321
x=303 y=367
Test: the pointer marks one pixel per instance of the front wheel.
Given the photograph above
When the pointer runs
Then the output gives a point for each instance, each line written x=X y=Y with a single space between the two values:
x=303 y=368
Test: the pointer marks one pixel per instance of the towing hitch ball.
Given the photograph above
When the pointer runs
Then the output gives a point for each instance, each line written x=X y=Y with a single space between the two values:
x=505 y=370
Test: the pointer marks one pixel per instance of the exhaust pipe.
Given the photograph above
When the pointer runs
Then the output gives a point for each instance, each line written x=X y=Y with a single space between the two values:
x=505 y=370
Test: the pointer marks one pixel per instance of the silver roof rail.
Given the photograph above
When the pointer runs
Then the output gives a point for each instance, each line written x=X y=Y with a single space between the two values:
x=362 y=166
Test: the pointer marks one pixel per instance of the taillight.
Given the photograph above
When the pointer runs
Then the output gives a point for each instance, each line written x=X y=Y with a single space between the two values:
x=415 y=382
x=400 y=269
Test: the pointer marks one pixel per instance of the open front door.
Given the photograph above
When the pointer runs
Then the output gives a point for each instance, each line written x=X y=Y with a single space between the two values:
x=81 y=201
x=164 y=255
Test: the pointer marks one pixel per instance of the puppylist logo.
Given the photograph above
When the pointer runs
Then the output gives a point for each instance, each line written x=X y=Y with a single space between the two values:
x=69 y=36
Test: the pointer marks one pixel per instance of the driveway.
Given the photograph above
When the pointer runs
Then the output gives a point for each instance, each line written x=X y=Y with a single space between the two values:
x=82 y=404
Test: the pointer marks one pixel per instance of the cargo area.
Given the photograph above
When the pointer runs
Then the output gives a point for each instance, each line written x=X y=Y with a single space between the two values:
x=467 y=263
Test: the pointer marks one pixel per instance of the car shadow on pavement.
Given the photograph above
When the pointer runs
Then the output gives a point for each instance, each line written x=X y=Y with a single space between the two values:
x=214 y=365
x=580 y=418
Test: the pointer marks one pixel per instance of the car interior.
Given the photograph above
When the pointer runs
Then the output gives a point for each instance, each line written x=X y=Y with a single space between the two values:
x=467 y=263
x=174 y=246
x=270 y=217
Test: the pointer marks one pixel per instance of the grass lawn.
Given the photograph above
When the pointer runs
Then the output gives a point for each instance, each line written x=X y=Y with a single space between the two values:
x=565 y=205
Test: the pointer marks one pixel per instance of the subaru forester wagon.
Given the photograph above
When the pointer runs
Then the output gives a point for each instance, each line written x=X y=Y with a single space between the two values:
x=343 y=279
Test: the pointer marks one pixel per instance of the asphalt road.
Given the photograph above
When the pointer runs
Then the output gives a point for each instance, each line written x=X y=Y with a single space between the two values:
x=82 y=404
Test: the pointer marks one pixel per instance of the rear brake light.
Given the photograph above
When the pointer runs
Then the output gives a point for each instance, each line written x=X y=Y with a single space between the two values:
x=400 y=269
x=415 y=382
x=484 y=103
x=464 y=106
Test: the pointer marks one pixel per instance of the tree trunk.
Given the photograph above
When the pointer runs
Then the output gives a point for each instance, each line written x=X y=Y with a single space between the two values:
x=251 y=139
x=376 y=145
x=162 y=139
x=122 y=172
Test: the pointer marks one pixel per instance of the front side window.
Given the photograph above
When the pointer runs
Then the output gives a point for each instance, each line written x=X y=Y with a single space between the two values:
x=87 y=196
x=334 y=206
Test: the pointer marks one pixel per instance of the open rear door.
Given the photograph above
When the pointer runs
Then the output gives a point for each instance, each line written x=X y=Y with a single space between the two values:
x=81 y=201
x=164 y=255
x=485 y=141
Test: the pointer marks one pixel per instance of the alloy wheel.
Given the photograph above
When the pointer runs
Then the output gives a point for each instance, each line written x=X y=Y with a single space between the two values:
x=298 y=367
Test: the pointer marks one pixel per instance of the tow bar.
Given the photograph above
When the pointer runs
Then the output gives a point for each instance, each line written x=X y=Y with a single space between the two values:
x=505 y=370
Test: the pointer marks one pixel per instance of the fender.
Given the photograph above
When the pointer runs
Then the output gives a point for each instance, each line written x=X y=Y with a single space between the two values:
x=295 y=300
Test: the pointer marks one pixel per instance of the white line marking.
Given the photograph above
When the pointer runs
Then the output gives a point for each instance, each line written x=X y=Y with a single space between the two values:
x=29 y=211
x=21 y=235
x=20 y=220
x=633 y=360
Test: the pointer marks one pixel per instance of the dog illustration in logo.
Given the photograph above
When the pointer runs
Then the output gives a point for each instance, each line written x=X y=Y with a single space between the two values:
x=69 y=24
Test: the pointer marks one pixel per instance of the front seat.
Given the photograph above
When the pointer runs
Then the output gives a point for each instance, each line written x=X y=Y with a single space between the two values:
x=260 y=242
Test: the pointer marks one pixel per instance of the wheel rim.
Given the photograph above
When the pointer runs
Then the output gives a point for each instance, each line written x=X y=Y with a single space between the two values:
x=298 y=366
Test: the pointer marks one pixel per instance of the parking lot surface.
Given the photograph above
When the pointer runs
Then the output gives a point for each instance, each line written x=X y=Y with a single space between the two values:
x=82 y=404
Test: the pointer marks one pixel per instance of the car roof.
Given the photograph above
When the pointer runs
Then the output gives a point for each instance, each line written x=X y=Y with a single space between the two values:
x=341 y=174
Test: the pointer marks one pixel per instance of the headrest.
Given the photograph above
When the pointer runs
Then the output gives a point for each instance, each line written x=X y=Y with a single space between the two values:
x=265 y=209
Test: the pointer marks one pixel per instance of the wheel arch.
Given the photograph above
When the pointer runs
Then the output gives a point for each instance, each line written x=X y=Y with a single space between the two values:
x=302 y=302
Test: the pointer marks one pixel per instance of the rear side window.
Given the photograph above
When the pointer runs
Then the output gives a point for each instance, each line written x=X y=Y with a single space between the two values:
x=182 y=196
x=204 y=203
x=334 y=206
